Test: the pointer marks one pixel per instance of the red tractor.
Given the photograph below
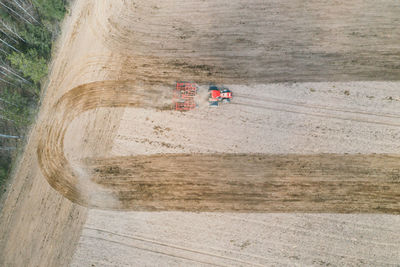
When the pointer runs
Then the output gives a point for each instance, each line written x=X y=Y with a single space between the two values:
x=217 y=95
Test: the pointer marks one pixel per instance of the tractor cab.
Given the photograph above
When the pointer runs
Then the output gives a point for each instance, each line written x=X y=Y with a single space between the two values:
x=226 y=95
x=217 y=95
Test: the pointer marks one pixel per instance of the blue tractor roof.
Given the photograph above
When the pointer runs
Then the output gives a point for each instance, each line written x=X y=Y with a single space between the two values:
x=213 y=87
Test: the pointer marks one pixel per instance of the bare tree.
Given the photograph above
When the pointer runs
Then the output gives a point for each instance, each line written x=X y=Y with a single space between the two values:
x=4 y=51
x=9 y=136
x=8 y=148
x=6 y=81
x=24 y=10
x=8 y=69
x=7 y=44
x=8 y=35
x=12 y=11
x=10 y=30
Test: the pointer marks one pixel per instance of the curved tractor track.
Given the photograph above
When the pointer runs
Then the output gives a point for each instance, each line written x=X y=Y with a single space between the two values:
x=208 y=182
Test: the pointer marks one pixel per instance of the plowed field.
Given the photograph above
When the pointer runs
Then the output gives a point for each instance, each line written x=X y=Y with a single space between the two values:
x=313 y=128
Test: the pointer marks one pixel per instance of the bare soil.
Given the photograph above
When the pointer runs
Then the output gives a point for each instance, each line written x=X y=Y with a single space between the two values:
x=105 y=139
x=255 y=183
x=211 y=182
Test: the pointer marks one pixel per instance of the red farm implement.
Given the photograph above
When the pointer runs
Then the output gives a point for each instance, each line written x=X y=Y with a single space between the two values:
x=184 y=95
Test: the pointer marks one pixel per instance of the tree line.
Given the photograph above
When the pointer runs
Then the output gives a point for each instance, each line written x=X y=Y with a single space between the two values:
x=28 y=29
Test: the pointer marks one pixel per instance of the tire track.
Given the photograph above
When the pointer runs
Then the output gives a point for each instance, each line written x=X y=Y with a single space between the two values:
x=310 y=251
x=300 y=104
x=312 y=233
x=154 y=242
x=208 y=182
x=321 y=115
x=153 y=251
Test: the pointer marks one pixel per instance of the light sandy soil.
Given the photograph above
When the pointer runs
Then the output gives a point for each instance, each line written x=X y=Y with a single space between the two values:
x=226 y=239
x=361 y=122
x=117 y=61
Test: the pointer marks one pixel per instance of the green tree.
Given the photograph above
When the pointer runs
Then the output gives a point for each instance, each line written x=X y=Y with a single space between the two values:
x=16 y=107
x=50 y=10
x=39 y=38
x=30 y=64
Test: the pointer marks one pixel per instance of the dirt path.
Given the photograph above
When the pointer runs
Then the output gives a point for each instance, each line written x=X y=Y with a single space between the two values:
x=40 y=227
